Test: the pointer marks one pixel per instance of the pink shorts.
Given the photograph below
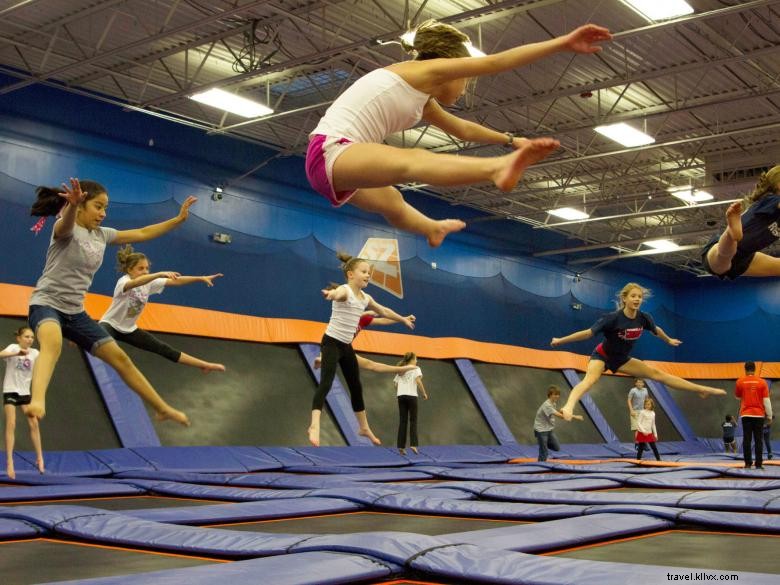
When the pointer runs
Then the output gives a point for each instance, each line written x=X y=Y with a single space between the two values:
x=320 y=156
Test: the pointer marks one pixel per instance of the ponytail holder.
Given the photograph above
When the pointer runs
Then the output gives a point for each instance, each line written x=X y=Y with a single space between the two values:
x=38 y=225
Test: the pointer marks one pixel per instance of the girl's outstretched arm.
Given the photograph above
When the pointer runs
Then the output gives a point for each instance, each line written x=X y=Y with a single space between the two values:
x=577 y=336
x=147 y=278
x=335 y=294
x=73 y=194
x=664 y=337
x=182 y=280
x=155 y=230
x=10 y=353
x=372 y=366
x=429 y=74
x=390 y=314
x=386 y=321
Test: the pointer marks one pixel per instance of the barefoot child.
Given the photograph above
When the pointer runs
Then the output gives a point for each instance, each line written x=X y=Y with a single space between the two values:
x=621 y=329
x=406 y=385
x=737 y=251
x=19 y=360
x=347 y=162
x=646 y=433
x=349 y=302
x=130 y=296
x=78 y=243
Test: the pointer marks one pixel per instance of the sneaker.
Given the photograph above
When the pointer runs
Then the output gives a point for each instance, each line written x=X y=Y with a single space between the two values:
x=759 y=467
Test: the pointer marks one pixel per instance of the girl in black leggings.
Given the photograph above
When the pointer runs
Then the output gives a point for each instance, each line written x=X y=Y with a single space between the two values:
x=349 y=302
x=130 y=297
x=406 y=385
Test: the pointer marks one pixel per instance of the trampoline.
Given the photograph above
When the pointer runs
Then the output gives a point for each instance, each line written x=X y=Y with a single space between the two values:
x=368 y=515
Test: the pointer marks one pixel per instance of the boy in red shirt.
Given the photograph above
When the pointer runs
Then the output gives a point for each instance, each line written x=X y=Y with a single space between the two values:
x=754 y=407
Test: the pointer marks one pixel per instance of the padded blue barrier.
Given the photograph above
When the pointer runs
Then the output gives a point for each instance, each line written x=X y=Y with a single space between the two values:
x=311 y=568
x=473 y=564
x=559 y=534
x=72 y=463
x=77 y=490
x=11 y=529
x=590 y=407
x=669 y=406
x=517 y=451
x=586 y=451
x=287 y=456
x=119 y=460
x=338 y=400
x=125 y=407
x=463 y=454
x=111 y=527
x=737 y=521
x=208 y=459
x=212 y=492
x=20 y=465
x=769 y=472
x=246 y=511
x=182 y=476
x=353 y=456
x=485 y=402
x=662 y=481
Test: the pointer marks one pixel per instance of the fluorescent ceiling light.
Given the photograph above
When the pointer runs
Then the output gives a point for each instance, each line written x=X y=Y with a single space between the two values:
x=408 y=38
x=625 y=134
x=690 y=196
x=568 y=213
x=659 y=9
x=662 y=245
x=230 y=102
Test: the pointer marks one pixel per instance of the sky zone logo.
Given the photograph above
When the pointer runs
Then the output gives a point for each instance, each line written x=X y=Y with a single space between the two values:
x=386 y=263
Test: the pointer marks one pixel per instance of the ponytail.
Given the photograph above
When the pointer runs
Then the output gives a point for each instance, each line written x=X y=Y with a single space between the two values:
x=408 y=357
x=434 y=40
x=126 y=258
x=348 y=263
x=767 y=183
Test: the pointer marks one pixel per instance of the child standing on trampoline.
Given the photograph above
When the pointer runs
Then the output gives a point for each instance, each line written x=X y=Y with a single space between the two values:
x=347 y=162
x=646 y=433
x=621 y=329
x=544 y=423
x=349 y=302
x=19 y=361
x=729 y=434
x=406 y=386
x=78 y=243
x=130 y=297
x=737 y=251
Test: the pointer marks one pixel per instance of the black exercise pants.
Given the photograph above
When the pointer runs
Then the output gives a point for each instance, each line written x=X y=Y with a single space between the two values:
x=337 y=353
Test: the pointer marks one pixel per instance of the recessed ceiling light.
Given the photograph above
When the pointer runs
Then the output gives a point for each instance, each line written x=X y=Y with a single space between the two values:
x=659 y=9
x=662 y=245
x=568 y=213
x=625 y=134
x=230 y=102
x=691 y=196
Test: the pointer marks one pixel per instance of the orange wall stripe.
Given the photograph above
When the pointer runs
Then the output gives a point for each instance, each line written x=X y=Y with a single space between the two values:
x=208 y=323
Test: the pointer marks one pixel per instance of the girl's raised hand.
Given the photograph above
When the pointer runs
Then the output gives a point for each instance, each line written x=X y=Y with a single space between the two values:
x=209 y=279
x=73 y=194
x=184 y=212
x=408 y=322
x=674 y=342
x=328 y=293
x=584 y=38
x=555 y=342
x=169 y=275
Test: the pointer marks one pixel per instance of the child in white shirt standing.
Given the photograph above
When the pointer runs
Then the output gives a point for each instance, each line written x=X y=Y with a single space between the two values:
x=19 y=360
x=406 y=385
x=646 y=433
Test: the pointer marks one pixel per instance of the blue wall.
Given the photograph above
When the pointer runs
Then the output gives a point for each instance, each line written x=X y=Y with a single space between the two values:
x=486 y=286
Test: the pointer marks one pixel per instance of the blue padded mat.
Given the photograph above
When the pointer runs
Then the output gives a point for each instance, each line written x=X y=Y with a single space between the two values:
x=11 y=529
x=78 y=490
x=208 y=459
x=72 y=463
x=314 y=568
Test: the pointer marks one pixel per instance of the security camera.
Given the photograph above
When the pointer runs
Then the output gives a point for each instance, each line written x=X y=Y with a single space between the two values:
x=217 y=194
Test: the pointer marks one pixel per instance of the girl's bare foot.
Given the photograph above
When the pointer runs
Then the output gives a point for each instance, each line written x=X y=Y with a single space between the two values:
x=734 y=221
x=174 y=415
x=209 y=367
x=514 y=165
x=370 y=435
x=314 y=436
x=10 y=471
x=442 y=229
x=39 y=465
x=36 y=409
x=414 y=450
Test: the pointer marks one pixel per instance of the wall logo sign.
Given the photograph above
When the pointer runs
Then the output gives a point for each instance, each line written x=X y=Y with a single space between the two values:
x=386 y=261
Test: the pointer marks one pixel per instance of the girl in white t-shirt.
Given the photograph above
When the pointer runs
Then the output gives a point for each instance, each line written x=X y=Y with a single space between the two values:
x=349 y=302
x=406 y=386
x=346 y=160
x=130 y=297
x=19 y=360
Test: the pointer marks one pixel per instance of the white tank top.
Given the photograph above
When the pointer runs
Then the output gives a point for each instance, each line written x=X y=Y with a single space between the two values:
x=345 y=316
x=378 y=104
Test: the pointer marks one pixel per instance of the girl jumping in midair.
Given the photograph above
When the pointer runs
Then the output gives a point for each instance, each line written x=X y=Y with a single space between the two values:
x=347 y=162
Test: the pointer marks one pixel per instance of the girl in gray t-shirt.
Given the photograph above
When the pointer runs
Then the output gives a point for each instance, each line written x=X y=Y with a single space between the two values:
x=75 y=253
